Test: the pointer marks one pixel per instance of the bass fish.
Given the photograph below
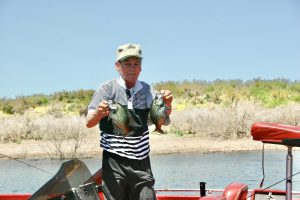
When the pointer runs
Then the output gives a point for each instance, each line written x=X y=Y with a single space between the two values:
x=119 y=117
x=158 y=113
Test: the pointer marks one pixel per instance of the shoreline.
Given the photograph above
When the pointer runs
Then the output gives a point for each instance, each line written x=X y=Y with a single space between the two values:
x=159 y=145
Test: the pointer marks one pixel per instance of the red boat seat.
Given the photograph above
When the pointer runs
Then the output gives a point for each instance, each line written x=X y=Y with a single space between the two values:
x=276 y=133
x=234 y=191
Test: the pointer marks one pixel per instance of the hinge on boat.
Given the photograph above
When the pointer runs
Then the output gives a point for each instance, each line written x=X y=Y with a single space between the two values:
x=270 y=196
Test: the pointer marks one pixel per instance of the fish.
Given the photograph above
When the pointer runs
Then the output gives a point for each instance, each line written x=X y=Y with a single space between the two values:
x=158 y=113
x=119 y=116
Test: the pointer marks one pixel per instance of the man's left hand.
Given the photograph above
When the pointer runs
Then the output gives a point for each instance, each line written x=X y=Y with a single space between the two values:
x=167 y=97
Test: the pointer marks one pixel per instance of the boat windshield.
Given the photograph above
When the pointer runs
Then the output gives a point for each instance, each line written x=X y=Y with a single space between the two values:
x=71 y=174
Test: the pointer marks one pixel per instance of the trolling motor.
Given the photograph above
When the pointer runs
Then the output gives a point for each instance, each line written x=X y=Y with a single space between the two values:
x=73 y=181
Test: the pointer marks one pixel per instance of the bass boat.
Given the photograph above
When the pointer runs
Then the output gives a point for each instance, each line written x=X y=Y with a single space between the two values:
x=74 y=181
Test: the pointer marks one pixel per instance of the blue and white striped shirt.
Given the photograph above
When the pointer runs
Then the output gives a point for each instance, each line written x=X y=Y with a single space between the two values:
x=135 y=145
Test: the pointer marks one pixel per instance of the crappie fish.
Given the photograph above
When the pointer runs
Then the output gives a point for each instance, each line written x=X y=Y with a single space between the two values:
x=119 y=117
x=158 y=113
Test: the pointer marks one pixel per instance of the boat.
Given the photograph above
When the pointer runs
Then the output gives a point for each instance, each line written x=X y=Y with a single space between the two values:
x=74 y=180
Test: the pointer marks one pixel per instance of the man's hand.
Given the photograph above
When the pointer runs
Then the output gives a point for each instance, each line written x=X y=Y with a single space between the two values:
x=94 y=117
x=168 y=98
x=103 y=109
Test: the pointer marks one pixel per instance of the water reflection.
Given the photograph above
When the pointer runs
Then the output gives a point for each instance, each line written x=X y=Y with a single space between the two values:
x=171 y=171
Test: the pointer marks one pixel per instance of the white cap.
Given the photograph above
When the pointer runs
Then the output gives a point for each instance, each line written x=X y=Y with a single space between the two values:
x=129 y=50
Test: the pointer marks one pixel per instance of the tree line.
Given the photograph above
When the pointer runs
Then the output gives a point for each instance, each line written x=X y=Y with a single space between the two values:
x=269 y=93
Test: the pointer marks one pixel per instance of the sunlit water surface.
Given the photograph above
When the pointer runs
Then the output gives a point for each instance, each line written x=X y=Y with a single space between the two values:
x=170 y=171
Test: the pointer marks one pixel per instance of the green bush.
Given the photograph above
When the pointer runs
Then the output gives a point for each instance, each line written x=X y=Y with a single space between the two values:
x=269 y=93
x=7 y=109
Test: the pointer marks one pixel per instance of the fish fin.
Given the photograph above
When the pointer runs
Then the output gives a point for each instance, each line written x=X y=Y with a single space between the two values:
x=131 y=121
x=126 y=131
x=149 y=121
x=167 y=121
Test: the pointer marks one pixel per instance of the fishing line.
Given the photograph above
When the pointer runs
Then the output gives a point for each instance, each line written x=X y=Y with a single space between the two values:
x=263 y=166
x=274 y=184
x=27 y=164
x=263 y=171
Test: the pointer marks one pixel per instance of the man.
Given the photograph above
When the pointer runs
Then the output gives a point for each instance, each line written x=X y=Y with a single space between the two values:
x=127 y=173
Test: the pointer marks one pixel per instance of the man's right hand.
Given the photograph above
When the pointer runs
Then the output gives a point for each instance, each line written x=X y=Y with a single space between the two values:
x=103 y=109
x=94 y=117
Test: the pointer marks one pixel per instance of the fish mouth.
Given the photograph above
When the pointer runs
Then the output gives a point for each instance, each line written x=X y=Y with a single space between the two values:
x=111 y=105
x=159 y=96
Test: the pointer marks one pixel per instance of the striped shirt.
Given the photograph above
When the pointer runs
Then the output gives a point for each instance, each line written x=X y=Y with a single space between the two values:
x=136 y=144
x=129 y=147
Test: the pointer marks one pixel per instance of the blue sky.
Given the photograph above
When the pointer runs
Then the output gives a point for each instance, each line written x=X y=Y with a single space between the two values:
x=48 y=46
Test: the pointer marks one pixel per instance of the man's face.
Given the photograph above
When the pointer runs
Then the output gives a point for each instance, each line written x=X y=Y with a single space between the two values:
x=130 y=69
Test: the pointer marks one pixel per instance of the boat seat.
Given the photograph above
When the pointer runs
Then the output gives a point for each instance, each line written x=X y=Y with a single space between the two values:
x=234 y=191
x=276 y=133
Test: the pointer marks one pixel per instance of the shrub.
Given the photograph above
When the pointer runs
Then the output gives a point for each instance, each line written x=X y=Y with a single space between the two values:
x=231 y=122
x=8 y=109
x=64 y=136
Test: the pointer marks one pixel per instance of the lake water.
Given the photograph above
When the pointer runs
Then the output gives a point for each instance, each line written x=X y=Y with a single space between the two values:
x=170 y=171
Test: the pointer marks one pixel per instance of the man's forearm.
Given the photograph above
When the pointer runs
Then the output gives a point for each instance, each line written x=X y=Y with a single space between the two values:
x=92 y=119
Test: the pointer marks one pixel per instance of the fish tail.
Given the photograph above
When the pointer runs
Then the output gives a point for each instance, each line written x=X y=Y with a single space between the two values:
x=167 y=121
x=159 y=130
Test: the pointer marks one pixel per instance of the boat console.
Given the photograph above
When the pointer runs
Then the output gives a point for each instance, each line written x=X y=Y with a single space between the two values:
x=283 y=135
x=260 y=194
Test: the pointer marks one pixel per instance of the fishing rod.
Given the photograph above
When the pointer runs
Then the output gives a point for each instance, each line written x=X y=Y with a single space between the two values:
x=15 y=159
